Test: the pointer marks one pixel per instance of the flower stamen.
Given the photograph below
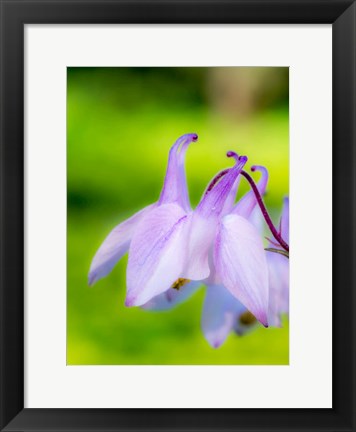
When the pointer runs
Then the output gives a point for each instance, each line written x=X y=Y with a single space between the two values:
x=179 y=283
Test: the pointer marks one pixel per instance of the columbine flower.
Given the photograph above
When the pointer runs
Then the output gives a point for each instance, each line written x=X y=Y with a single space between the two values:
x=174 y=192
x=172 y=249
x=171 y=244
x=222 y=312
x=239 y=258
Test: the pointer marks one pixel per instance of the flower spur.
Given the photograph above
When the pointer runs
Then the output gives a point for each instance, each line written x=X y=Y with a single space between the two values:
x=174 y=190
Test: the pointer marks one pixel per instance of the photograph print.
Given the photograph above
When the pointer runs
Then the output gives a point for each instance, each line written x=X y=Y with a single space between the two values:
x=178 y=216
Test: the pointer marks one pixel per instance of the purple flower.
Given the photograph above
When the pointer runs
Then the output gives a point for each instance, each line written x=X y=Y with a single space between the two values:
x=172 y=249
x=226 y=308
x=222 y=311
x=174 y=192
x=171 y=243
x=240 y=259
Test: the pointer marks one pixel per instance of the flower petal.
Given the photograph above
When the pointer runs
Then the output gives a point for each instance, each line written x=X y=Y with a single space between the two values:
x=115 y=246
x=231 y=198
x=175 y=184
x=257 y=220
x=203 y=222
x=220 y=313
x=157 y=254
x=214 y=198
x=248 y=202
x=171 y=298
x=284 y=225
x=202 y=232
x=278 y=267
x=241 y=263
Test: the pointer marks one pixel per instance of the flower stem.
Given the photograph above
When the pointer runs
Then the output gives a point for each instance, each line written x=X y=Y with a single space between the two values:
x=264 y=211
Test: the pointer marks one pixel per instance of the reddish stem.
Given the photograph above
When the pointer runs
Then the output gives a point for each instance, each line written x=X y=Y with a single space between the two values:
x=264 y=211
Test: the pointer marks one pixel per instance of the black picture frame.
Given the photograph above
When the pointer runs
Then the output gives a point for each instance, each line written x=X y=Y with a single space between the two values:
x=14 y=15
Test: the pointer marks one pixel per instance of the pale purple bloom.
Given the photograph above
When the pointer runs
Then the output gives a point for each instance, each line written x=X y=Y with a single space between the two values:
x=173 y=250
x=222 y=312
x=239 y=257
x=174 y=192
x=171 y=243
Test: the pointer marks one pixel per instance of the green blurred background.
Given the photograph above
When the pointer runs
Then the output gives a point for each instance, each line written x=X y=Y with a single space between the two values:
x=121 y=123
